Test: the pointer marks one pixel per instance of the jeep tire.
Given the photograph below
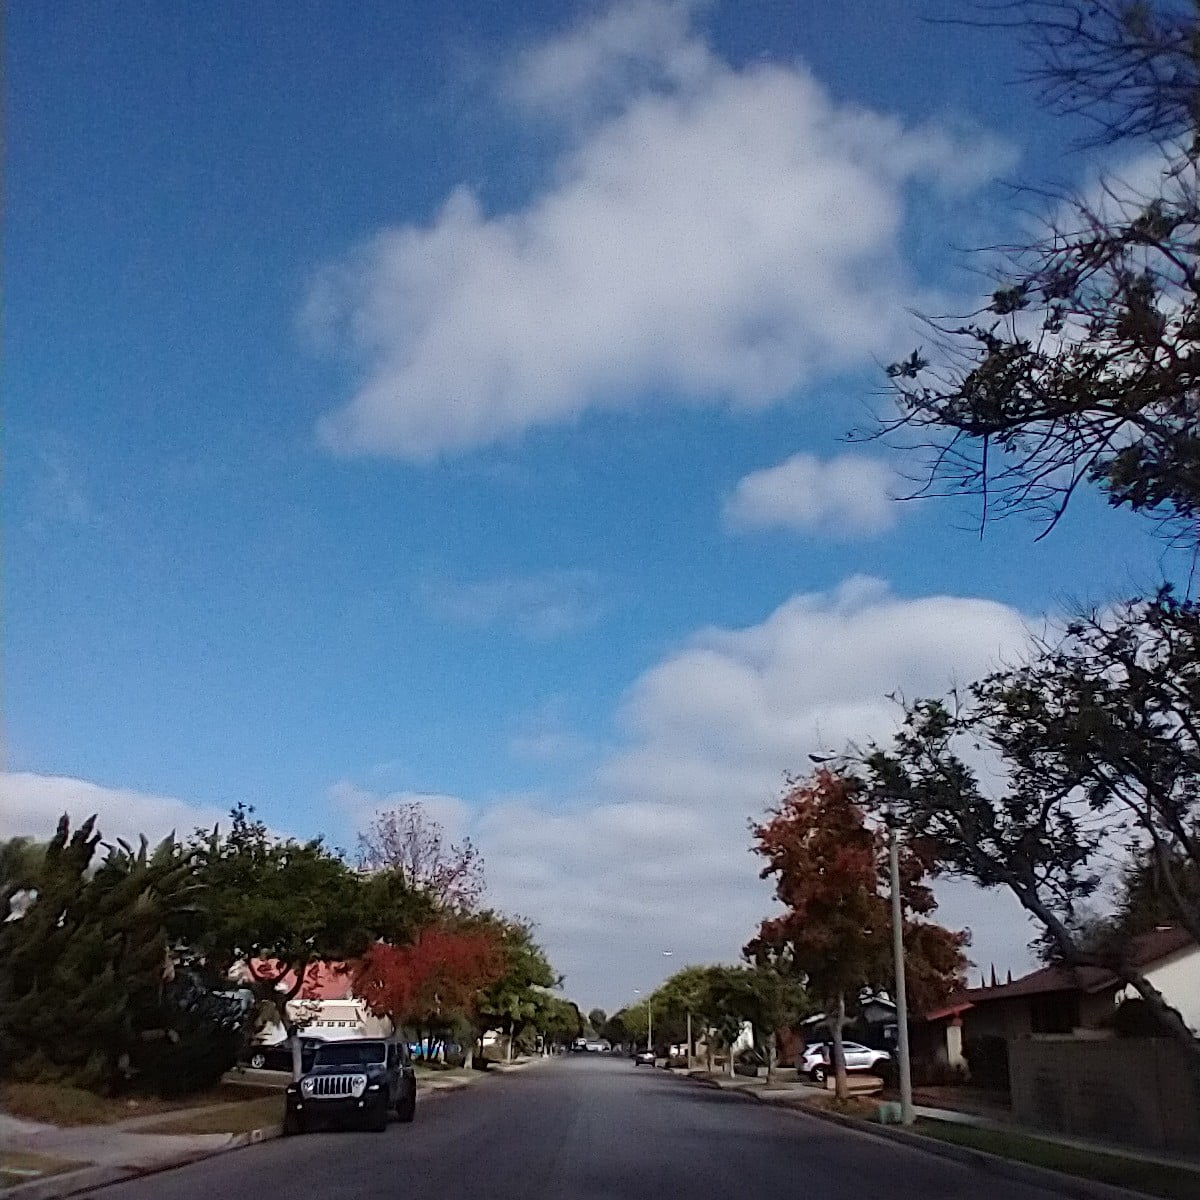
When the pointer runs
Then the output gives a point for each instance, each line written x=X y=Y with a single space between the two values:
x=406 y=1108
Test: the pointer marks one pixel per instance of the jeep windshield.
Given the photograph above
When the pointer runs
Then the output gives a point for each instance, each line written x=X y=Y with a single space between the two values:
x=350 y=1054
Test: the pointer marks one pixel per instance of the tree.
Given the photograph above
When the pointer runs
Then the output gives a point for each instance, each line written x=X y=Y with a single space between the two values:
x=511 y=1002
x=20 y=862
x=91 y=989
x=433 y=983
x=597 y=1019
x=1083 y=366
x=407 y=840
x=1097 y=741
x=766 y=994
x=558 y=1021
x=830 y=871
x=277 y=906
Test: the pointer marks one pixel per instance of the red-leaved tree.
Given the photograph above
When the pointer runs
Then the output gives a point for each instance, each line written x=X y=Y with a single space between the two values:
x=433 y=983
x=831 y=872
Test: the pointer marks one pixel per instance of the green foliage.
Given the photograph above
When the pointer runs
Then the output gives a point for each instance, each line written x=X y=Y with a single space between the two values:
x=597 y=1019
x=1098 y=739
x=512 y=1002
x=289 y=903
x=84 y=973
x=1086 y=364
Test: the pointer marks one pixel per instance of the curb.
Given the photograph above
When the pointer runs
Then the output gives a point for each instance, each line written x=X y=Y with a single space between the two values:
x=981 y=1160
x=71 y=1183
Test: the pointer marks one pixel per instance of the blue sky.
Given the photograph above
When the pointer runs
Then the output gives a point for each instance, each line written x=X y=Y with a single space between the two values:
x=403 y=399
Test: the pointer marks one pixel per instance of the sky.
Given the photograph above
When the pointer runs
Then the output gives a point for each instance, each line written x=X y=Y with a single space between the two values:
x=450 y=402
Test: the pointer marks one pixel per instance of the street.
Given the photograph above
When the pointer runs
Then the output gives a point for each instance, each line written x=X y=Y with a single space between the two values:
x=577 y=1128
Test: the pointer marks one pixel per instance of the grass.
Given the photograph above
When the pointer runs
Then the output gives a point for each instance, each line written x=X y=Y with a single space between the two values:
x=229 y=1118
x=20 y=1166
x=56 y=1104
x=1177 y=1183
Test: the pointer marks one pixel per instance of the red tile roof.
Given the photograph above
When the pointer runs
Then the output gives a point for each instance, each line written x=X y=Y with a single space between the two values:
x=322 y=980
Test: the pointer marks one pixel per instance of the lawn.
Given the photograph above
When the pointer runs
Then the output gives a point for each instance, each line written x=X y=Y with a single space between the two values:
x=54 y=1104
x=1177 y=1183
x=19 y=1166
x=229 y=1118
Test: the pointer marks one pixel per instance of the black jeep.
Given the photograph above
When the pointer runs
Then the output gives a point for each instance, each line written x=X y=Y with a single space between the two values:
x=359 y=1078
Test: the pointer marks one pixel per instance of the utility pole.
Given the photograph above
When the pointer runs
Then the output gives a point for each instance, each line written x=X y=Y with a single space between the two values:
x=904 y=1064
x=650 y=1023
x=689 y=1039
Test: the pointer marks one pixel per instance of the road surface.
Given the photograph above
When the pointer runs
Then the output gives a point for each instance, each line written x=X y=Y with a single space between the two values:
x=581 y=1128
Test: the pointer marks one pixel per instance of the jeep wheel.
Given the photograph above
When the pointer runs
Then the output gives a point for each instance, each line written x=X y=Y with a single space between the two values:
x=818 y=1074
x=293 y=1123
x=377 y=1118
x=406 y=1110
x=258 y=1061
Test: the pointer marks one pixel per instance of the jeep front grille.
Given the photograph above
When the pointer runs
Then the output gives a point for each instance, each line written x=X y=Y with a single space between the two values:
x=334 y=1086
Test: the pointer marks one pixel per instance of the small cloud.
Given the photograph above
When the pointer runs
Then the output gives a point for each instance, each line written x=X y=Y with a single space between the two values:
x=846 y=496
x=540 y=606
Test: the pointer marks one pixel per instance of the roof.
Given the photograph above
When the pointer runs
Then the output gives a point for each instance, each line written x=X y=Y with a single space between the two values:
x=1145 y=950
x=322 y=980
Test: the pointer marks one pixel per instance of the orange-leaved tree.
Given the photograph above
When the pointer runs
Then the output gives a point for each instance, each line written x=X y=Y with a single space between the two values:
x=831 y=873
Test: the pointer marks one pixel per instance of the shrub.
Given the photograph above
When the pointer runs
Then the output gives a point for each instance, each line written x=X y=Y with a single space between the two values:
x=987 y=1058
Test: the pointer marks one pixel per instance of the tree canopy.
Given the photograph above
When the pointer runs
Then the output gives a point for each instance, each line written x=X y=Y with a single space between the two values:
x=1095 y=745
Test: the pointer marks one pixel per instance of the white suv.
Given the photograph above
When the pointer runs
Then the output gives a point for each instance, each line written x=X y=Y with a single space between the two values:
x=817 y=1062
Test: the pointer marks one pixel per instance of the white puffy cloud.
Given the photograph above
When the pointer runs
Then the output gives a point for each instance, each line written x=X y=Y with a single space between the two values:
x=31 y=804
x=846 y=496
x=541 y=606
x=718 y=235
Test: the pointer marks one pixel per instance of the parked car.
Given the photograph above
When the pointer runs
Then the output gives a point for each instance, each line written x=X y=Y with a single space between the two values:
x=277 y=1056
x=817 y=1060
x=363 y=1079
x=643 y=1058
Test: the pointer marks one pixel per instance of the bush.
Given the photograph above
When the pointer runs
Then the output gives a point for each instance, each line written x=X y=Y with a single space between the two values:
x=199 y=1040
x=987 y=1058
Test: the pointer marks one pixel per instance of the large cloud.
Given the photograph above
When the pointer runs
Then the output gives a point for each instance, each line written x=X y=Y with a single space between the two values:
x=31 y=804
x=652 y=852
x=718 y=235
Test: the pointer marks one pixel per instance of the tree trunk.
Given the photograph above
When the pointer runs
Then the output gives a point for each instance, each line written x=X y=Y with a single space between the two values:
x=841 y=1084
x=708 y=1050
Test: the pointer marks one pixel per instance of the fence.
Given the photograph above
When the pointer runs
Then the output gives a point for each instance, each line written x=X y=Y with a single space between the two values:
x=1138 y=1091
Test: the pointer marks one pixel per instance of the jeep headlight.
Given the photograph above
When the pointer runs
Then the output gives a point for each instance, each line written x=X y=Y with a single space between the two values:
x=359 y=1085
x=307 y=1085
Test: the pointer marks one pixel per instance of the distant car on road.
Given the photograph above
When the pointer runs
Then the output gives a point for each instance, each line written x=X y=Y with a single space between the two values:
x=643 y=1058
x=597 y=1046
x=817 y=1060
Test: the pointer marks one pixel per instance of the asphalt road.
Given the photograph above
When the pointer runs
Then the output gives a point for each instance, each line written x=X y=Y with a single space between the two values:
x=581 y=1128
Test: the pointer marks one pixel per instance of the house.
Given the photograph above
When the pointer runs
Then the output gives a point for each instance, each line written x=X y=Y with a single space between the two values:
x=1079 y=1000
x=874 y=1025
x=1059 y=1001
x=324 y=1007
